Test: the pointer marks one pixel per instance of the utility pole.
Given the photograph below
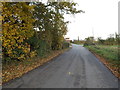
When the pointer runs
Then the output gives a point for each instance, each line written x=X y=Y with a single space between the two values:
x=78 y=38
x=93 y=34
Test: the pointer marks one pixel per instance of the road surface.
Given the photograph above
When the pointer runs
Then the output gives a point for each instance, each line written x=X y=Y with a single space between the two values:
x=76 y=68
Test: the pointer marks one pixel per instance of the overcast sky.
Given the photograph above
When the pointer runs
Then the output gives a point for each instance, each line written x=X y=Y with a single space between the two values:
x=100 y=19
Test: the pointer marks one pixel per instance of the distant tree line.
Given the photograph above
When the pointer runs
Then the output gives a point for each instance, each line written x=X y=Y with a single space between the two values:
x=113 y=39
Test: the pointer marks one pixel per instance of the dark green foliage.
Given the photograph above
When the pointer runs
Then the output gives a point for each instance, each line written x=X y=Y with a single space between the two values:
x=89 y=41
x=65 y=44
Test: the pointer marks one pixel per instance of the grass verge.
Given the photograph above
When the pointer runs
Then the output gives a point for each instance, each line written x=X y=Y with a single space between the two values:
x=109 y=55
x=15 y=70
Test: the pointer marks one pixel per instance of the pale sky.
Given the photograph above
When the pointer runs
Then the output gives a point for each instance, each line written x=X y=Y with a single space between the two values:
x=100 y=19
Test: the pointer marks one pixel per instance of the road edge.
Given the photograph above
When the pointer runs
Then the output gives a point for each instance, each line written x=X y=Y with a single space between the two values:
x=104 y=61
x=19 y=79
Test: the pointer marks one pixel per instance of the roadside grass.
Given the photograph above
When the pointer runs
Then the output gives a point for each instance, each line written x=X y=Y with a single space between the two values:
x=110 y=54
x=17 y=69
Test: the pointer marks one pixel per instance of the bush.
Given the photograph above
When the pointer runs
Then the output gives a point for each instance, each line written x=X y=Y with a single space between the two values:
x=40 y=46
x=65 y=45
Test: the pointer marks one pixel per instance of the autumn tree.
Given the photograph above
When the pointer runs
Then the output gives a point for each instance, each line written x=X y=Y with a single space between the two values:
x=31 y=28
x=50 y=21
x=17 y=26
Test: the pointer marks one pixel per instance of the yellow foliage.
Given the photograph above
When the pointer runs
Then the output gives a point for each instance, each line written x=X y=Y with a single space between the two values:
x=33 y=53
x=14 y=32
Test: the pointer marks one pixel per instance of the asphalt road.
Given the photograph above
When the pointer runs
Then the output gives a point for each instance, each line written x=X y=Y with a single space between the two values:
x=76 y=68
